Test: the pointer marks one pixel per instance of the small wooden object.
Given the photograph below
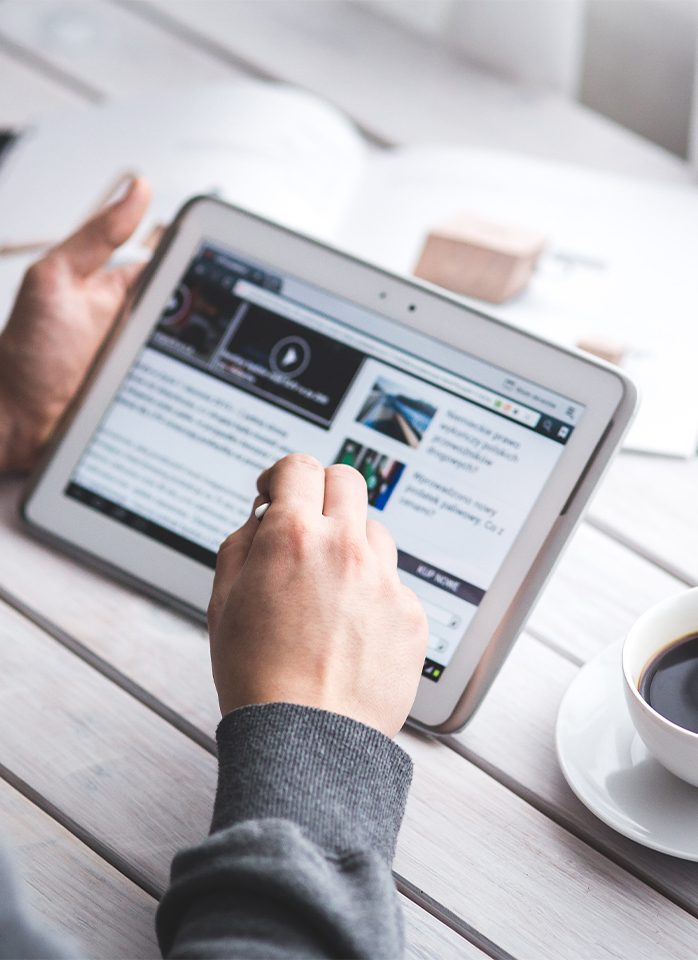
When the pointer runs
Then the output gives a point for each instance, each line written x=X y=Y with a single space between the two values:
x=612 y=351
x=479 y=258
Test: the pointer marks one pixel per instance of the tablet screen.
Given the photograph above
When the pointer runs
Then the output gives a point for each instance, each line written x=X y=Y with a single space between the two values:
x=245 y=365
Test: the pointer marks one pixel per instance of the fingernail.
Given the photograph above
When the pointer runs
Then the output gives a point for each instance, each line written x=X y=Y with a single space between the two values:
x=121 y=189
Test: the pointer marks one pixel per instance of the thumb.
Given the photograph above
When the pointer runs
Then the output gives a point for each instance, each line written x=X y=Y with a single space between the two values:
x=92 y=244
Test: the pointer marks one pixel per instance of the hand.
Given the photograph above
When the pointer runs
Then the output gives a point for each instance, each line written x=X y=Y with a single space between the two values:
x=64 y=309
x=307 y=606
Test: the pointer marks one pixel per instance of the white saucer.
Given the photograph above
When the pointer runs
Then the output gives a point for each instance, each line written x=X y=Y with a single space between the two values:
x=609 y=768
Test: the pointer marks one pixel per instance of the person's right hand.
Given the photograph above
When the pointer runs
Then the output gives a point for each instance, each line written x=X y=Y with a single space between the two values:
x=307 y=606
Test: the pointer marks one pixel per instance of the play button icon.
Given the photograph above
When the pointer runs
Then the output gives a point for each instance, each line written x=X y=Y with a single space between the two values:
x=290 y=356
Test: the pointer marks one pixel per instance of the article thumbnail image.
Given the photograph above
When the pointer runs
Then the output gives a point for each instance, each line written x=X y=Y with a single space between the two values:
x=194 y=318
x=381 y=473
x=389 y=410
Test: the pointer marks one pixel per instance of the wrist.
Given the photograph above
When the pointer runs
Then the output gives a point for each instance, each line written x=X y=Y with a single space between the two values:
x=17 y=439
x=6 y=431
x=344 y=783
x=24 y=423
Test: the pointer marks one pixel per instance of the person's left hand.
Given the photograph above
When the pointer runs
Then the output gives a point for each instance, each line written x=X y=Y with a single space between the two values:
x=64 y=309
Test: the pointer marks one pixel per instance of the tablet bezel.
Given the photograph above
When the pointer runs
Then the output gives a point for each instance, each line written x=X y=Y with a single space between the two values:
x=608 y=396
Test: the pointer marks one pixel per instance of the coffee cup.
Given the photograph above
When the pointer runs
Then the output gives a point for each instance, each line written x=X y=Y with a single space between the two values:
x=660 y=629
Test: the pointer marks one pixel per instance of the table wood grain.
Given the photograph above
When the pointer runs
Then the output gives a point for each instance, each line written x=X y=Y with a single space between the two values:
x=107 y=708
x=75 y=889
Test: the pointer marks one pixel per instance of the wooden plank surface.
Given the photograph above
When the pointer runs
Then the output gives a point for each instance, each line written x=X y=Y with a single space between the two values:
x=72 y=889
x=650 y=504
x=106 y=746
x=427 y=938
x=127 y=777
x=122 y=774
x=93 y=609
x=76 y=893
x=597 y=591
x=492 y=831
x=524 y=882
x=512 y=737
x=525 y=710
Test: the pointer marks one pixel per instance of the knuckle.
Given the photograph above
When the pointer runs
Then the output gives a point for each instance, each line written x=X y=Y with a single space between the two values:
x=293 y=533
x=301 y=460
x=228 y=543
x=346 y=472
x=350 y=551
x=44 y=271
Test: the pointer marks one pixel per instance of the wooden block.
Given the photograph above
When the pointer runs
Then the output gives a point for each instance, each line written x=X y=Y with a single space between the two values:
x=480 y=259
x=613 y=351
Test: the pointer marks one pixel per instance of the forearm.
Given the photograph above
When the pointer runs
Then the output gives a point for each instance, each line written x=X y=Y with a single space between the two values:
x=7 y=414
x=5 y=431
x=22 y=431
x=11 y=433
x=15 y=448
x=303 y=835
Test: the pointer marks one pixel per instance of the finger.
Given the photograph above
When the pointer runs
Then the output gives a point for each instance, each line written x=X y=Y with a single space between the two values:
x=233 y=552
x=124 y=277
x=381 y=542
x=127 y=273
x=231 y=558
x=91 y=246
x=258 y=501
x=346 y=497
x=296 y=483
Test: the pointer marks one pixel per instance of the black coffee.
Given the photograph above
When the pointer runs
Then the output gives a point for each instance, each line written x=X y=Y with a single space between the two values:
x=669 y=682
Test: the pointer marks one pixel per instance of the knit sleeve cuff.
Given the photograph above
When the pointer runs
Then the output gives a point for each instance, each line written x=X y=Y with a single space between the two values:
x=344 y=783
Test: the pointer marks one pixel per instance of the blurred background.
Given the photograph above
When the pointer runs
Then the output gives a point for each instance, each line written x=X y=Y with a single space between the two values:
x=371 y=124
x=631 y=61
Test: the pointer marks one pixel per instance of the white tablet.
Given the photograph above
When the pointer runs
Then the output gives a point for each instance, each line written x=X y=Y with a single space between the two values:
x=479 y=443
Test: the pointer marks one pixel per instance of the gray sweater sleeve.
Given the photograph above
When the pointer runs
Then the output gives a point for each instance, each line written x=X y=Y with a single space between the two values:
x=298 y=861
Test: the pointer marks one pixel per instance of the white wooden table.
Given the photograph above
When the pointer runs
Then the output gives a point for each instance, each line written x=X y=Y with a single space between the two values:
x=106 y=706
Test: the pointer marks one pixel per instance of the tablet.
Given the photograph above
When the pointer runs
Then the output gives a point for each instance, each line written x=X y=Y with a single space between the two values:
x=245 y=341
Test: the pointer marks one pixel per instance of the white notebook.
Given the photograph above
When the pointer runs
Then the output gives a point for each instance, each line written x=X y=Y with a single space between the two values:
x=620 y=261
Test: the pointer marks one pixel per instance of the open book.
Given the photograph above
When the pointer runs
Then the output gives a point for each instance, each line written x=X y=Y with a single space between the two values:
x=620 y=260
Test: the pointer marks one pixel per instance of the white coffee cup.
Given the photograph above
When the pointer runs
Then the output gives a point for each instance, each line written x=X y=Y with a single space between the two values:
x=657 y=629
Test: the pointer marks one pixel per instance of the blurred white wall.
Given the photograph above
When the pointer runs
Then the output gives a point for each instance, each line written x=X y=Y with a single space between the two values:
x=539 y=41
x=631 y=60
x=639 y=64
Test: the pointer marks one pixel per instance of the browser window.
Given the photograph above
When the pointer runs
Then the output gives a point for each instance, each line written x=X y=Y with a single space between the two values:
x=245 y=366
